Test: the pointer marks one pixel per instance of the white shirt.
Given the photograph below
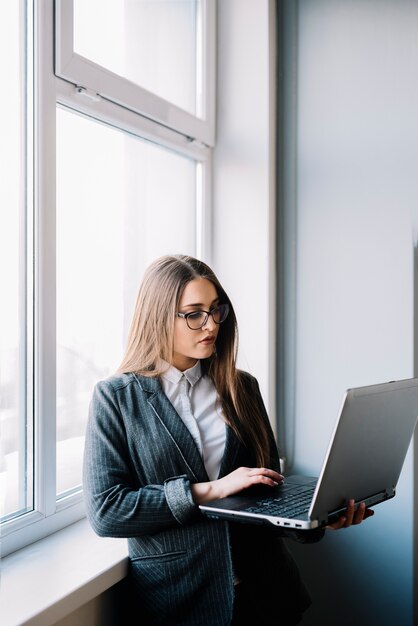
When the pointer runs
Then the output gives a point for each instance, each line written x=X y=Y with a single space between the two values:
x=196 y=401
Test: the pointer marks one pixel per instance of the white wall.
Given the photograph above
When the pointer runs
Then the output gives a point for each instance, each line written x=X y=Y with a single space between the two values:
x=357 y=198
x=243 y=207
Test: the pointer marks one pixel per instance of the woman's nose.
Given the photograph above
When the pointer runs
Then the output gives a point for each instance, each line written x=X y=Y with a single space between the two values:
x=209 y=324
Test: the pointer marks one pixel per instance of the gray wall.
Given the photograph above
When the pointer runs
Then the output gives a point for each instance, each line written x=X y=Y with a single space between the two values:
x=350 y=209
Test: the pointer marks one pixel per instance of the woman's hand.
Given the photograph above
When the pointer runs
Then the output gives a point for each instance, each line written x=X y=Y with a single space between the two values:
x=351 y=517
x=234 y=482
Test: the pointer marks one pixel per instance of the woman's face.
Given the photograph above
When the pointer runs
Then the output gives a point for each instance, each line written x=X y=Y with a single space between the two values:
x=190 y=345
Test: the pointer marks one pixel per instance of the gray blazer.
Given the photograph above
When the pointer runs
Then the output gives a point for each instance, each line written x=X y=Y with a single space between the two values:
x=139 y=462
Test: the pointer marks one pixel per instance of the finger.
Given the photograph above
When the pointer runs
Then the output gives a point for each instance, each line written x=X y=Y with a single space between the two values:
x=344 y=521
x=278 y=478
x=265 y=480
x=261 y=470
x=255 y=471
x=349 y=513
x=359 y=514
x=340 y=523
x=367 y=513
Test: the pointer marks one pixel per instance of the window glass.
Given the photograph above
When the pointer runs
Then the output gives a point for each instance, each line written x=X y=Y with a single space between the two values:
x=16 y=492
x=121 y=202
x=153 y=43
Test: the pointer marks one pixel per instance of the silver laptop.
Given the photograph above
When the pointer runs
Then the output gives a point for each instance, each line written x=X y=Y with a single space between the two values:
x=364 y=460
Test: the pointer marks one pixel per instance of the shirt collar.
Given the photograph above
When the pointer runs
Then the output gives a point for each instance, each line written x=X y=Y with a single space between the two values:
x=173 y=375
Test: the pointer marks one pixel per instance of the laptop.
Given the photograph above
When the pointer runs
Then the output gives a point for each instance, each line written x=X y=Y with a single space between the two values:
x=364 y=460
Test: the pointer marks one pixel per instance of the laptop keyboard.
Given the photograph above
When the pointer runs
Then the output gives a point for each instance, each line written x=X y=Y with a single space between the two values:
x=289 y=505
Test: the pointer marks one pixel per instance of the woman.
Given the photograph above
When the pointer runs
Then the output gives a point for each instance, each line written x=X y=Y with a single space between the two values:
x=177 y=426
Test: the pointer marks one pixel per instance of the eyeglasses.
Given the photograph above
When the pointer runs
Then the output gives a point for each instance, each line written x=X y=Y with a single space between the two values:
x=197 y=319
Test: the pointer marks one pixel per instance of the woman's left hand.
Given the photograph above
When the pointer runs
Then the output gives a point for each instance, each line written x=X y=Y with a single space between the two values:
x=351 y=517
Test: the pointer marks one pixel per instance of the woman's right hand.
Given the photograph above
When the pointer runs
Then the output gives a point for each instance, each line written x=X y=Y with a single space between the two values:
x=236 y=481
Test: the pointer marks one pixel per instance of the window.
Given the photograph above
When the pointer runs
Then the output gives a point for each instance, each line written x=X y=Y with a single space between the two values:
x=16 y=328
x=155 y=45
x=123 y=198
x=160 y=63
x=122 y=137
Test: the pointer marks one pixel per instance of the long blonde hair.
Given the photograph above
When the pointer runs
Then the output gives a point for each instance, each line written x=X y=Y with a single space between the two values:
x=151 y=339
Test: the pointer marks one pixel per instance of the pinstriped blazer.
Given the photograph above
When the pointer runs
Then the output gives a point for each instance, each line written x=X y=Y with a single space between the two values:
x=139 y=462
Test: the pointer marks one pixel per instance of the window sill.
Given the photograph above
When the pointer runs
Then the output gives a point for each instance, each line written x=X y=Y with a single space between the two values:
x=44 y=582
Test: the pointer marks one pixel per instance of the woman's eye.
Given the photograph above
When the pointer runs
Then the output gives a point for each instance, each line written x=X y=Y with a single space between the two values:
x=195 y=315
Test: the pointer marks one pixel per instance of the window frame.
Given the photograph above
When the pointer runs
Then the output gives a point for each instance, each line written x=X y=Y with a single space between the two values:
x=97 y=81
x=50 y=91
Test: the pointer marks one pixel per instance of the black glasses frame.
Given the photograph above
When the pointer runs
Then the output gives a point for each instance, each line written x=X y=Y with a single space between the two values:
x=211 y=312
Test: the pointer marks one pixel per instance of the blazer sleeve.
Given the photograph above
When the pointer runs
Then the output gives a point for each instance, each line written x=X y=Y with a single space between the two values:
x=116 y=505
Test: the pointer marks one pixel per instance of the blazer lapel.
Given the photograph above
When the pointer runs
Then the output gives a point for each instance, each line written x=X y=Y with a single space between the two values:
x=175 y=427
x=232 y=445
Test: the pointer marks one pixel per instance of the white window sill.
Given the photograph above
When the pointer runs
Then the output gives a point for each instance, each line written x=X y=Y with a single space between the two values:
x=44 y=582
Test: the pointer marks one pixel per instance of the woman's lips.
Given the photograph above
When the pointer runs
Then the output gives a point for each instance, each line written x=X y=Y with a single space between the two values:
x=208 y=340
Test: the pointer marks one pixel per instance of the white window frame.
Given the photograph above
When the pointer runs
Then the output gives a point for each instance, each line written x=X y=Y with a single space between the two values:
x=50 y=515
x=99 y=81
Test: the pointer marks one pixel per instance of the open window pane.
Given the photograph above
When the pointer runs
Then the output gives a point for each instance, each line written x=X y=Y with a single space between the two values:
x=121 y=202
x=156 y=44
x=16 y=421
